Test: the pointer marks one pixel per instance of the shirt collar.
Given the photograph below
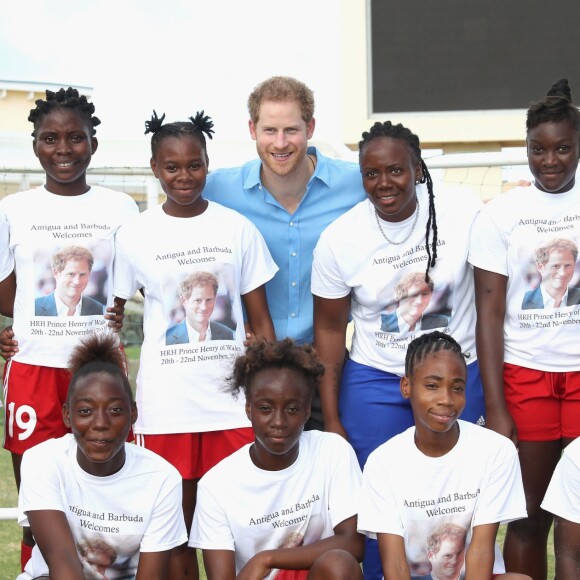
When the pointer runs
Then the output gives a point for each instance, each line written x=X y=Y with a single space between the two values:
x=62 y=308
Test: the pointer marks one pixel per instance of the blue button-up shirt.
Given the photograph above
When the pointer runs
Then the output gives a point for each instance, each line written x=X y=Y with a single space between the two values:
x=334 y=188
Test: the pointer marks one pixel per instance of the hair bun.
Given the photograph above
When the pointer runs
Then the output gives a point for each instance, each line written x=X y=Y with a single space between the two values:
x=103 y=347
x=203 y=123
x=561 y=89
x=154 y=124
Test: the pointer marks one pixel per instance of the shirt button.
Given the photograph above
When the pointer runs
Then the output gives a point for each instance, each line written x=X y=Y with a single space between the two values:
x=291 y=224
x=293 y=283
x=293 y=254
x=293 y=314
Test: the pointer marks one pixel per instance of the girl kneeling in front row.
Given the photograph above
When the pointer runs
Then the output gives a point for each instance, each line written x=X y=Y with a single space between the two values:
x=288 y=501
x=434 y=495
x=99 y=507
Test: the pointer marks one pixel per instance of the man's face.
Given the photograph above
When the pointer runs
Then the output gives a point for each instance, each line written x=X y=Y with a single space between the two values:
x=416 y=301
x=72 y=280
x=558 y=271
x=281 y=136
x=447 y=562
x=199 y=306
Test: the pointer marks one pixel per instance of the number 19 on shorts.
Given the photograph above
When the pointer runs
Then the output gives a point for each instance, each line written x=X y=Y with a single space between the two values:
x=25 y=418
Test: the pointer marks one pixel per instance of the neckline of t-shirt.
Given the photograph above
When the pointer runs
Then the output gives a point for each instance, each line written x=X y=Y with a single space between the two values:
x=68 y=198
x=97 y=479
x=209 y=209
x=282 y=473
x=397 y=226
x=450 y=456
x=555 y=197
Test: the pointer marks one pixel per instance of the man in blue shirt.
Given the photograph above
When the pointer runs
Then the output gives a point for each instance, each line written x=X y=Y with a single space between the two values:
x=291 y=193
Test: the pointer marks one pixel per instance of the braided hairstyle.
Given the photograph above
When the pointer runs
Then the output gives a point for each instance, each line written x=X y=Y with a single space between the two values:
x=555 y=107
x=196 y=127
x=98 y=353
x=387 y=130
x=64 y=99
x=284 y=354
x=426 y=344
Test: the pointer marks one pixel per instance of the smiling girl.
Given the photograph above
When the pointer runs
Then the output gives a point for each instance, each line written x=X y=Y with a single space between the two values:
x=524 y=249
x=287 y=502
x=65 y=225
x=99 y=507
x=436 y=494
x=197 y=263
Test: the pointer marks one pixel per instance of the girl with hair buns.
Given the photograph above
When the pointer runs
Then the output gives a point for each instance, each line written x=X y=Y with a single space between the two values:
x=284 y=506
x=397 y=262
x=527 y=331
x=64 y=212
x=197 y=263
x=99 y=507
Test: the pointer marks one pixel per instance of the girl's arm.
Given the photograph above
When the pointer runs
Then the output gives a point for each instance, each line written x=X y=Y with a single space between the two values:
x=8 y=345
x=490 y=302
x=330 y=322
x=480 y=554
x=345 y=538
x=259 y=318
x=219 y=564
x=7 y=295
x=393 y=557
x=567 y=546
x=153 y=565
x=56 y=543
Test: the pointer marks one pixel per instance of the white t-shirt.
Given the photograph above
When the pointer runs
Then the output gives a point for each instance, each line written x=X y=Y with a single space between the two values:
x=505 y=236
x=563 y=494
x=40 y=225
x=246 y=509
x=138 y=509
x=6 y=259
x=409 y=494
x=180 y=382
x=353 y=256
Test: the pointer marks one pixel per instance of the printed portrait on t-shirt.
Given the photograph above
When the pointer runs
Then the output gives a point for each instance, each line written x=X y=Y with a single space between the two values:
x=72 y=280
x=440 y=555
x=101 y=560
x=418 y=305
x=551 y=276
x=203 y=307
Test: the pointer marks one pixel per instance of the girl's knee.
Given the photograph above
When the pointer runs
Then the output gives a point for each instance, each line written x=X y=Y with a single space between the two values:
x=335 y=565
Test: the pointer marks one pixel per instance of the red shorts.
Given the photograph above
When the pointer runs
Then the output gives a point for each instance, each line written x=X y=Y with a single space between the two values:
x=545 y=405
x=194 y=454
x=33 y=398
x=292 y=575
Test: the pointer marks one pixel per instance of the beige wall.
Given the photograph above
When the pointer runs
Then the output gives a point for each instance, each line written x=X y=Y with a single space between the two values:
x=14 y=109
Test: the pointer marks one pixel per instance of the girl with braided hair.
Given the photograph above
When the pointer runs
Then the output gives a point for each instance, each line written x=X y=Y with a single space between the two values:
x=63 y=214
x=198 y=263
x=99 y=507
x=527 y=330
x=397 y=263
x=436 y=494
